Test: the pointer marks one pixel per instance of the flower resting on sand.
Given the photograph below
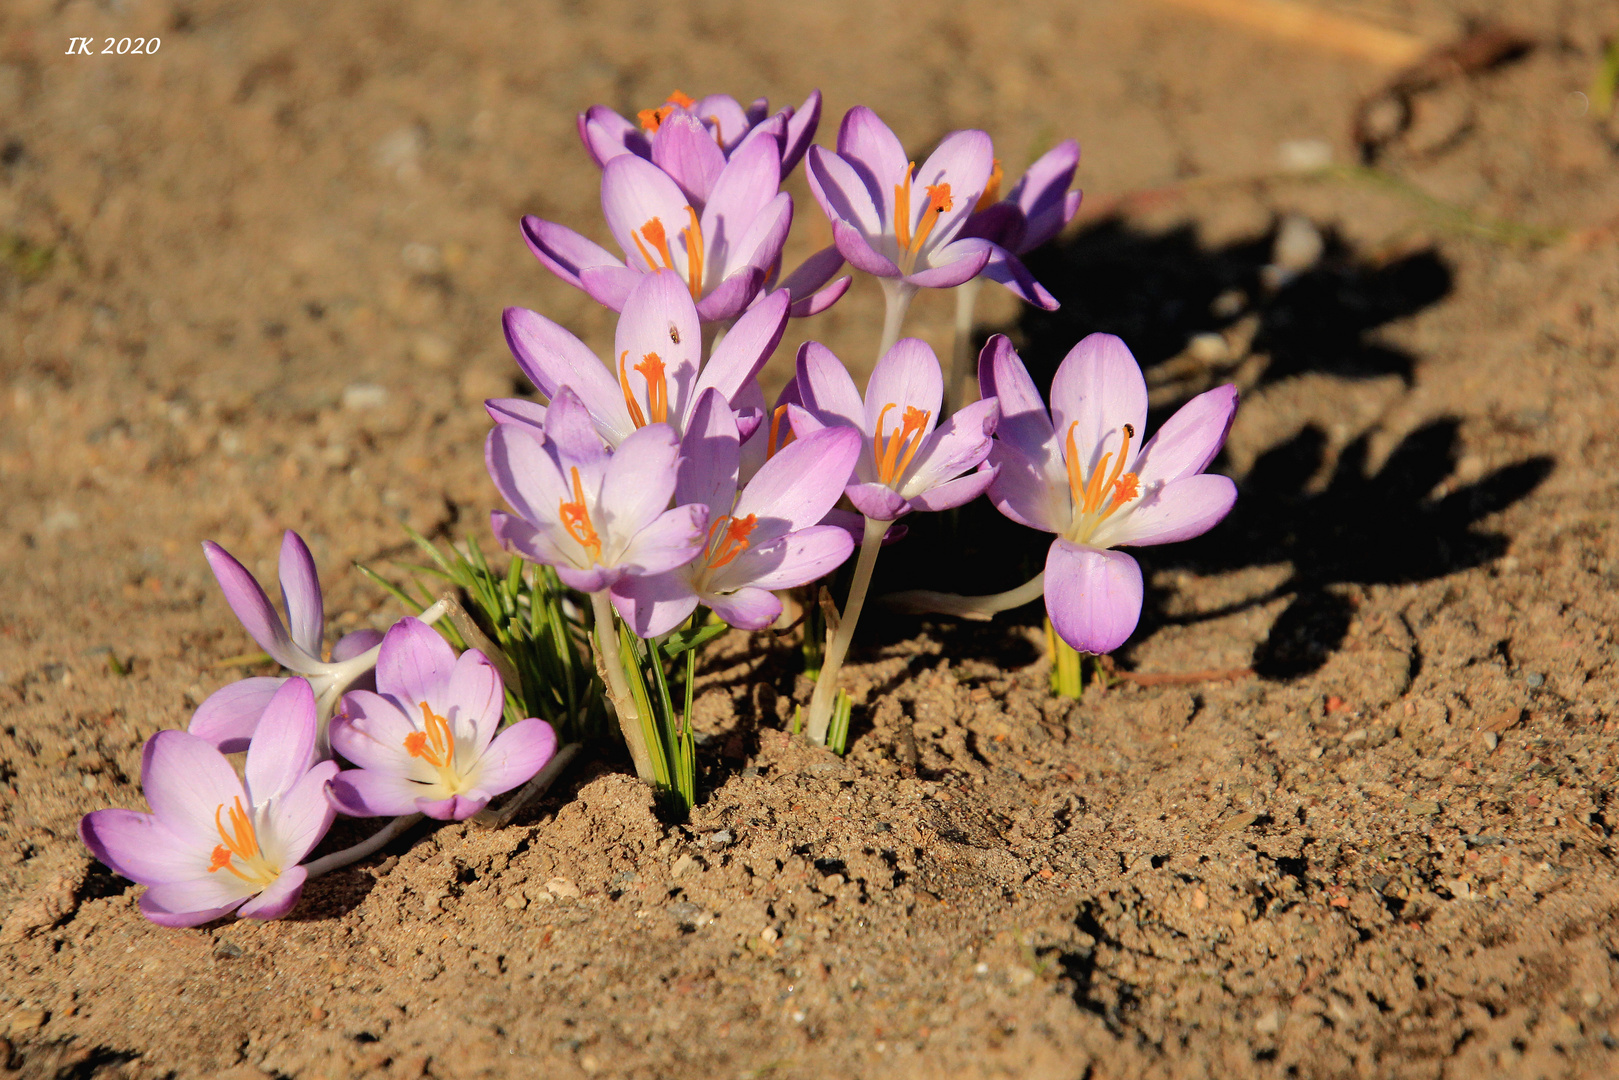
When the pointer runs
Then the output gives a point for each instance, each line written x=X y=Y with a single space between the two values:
x=214 y=843
x=1081 y=471
x=425 y=741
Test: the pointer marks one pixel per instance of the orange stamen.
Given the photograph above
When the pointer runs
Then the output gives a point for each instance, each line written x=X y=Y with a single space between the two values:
x=771 y=445
x=733 y=543
x=576 y=519
x=240 y=841
x=902 y=209
x=1089 y=495
x=657 y=387
x=434 y=745
x=938 y=203
x=653 y=231
x=637 y=417
x=652 y=119
x=677 y=98
x=907 y=438
x=694 y=254
x=992 y=190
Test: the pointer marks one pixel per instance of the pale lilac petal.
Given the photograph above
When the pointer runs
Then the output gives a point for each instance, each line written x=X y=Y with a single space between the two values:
x=1190 y=439
x=1043 y=196
x=862 y=256
x=876 y=156
x=284 y=745
x=363 y=793
x=1000 y=223
x=610 y=286
x=634 y=192
x=954 y=493
x=370 y=731
x=300 y=594
x=473 y=701
x=812 y=273
x=415 y=664
x=710 y=455
x=659 y=325
x=747 y=609
x=186 y=781
x=252 y=608
x=180 y=904
x=855 y=526
x=552 y=359
x=878 y=501
x=747 y=185
x=961 y=443
x=1092 y=596
x=1179 y=510
x=606 y=135
x=1024 y=422
x=536 y=545
x=564 y=252
x=455 y=808
x=638 y=484
x=278 y=898
x=747 y=345
x=516 y=411
x=674 y=539
x=818 y=302
x=1008 y=270
x=355 y=643
x=140 y=847
x=685 y=149
x=570 y=428
x=732 y=295
x=963 y=160
x=800 y=131
x=842 y=193
x=728 y=115
x=1024 y=491
x=515 y=756
x=953 y=264
x=230 y=715
x=654 y=604
x=593 y=579
x=827 y=389
x=1098 y=387
x=301 y=818
x=761 y=241
x=803 y=480
x=907 y=376
x=794 y=560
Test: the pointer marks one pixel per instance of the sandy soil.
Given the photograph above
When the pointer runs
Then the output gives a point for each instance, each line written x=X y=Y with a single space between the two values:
x=253 y=282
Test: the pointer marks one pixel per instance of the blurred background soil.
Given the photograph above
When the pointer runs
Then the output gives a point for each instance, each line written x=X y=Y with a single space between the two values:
x=254 y=281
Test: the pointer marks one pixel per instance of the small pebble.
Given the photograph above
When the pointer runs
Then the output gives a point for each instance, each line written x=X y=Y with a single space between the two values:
x=358 y=396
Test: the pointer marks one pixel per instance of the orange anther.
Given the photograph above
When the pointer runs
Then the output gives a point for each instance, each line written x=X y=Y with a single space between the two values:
x=677 y=98
x=575 y=518
x=772 y=445
x=734 y=541
x=637 y=417
x=694 y=254
x=908 y=438
x=240 y=841
x=434 y=745
x=992 y=189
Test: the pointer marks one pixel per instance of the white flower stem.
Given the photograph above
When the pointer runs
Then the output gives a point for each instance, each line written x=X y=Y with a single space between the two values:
x=958 y=388
x=979 y=608
x=374 y=843
x=826 y=687
x=897 y=296
x=610 y=665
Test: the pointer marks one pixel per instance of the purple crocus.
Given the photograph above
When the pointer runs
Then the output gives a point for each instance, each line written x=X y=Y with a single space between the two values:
x=229 y=716
x=1077 y=472
x=425 y=741
x=906 y=462
x=692 y=139
x=657 y=373
x=1038 y=207
x=765 y=537
x=597 y=516
x=724 y=250
x=214 y=843
x=894 y=220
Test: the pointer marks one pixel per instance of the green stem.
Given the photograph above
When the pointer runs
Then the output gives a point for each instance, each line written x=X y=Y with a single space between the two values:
x=826 y=687
x=610 y=663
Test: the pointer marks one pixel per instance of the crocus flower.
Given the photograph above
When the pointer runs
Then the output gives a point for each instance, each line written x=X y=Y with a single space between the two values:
x=724 y=251
x=595 y=516
x=765 y=537
x=692 y=139
x=1080 y=472
x=890 y=218
x=654 y=377
x=906 y=463
x=425 y=741
x=229 y=716
x=214 y=843
x=1038 y=207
